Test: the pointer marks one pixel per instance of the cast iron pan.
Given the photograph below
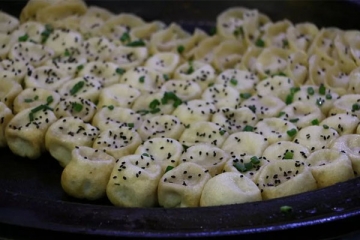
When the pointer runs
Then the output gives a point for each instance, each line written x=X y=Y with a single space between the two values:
x=32 y=203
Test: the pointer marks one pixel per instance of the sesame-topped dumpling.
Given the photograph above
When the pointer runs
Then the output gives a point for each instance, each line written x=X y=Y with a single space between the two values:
x=229 y=188
x=32 y=97
x=71 y=62
x=47 y=77
x=285 y=178
x=155 y=104
x=194 y=111
x=87 y=174
x=25 y=133
x=264 y=106
x=97 y=49
x=167 y=126
x=278 y=86
x=182 y=186
x=349 y=103
x=274 y=129
x=5 y=116
x=196 y=71
x=247 y=165
x=104 y=72
x=185 y=90
x=35 y=54
x=31 y=30
x=319 y=96
x=8 y=91
x=221 y=96
x=75 y=107
x=85 y=87
x=203 y=132
x=354 y=81
x=165 y=151
x=349 y=143
x=209 y=157
x=15 y=69
x=127 y=57
x=330 y=166
x=165 y=63
x=283 y=150
x=316 y=137
x=301 y=114
x=245 y=143
x=134 y=182
x=118 y=95
x=118 y=142
x=235 y=120
x=343 y=123
x=8 y=23
x=144 y=79
x=109 y=117
x=66 y=133
x=204 y=51
x=228 y=54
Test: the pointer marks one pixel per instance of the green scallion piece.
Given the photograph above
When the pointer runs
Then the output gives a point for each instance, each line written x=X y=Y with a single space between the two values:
x=233 y=81
x=142 y=79
x=110 y=107
x=154 y=103
x=49 y=100
x=289 y=155
x=315 y=122
x=239 y=31
x=180 y=49
x=245 y=95
x=248 y=166
x=320 y=102
x=23 y=38
x=322 y=89
x=292 y=132
x=142 y=112
x=185 y=147
x=294 y=120
x=310 y=91
x=77 y=87
x=77 y=107
x=285 y=43
x=281 y=114
x=79 y=68
x=131 y=125
x=190 y=69
x=252 y=108
x=46 y=33
x=355 y=107
x=168 y=168
x=137 y=43
x=28 y=100
x=325 y=126
x=248 y=128
x=166 y=77
x=240 y=167
x=145 y=154
x=254 y=160
x=222 y=132
x=67 y=53
x=120 y=71
x=125 y=37
x=328 y=96
x=260 y=43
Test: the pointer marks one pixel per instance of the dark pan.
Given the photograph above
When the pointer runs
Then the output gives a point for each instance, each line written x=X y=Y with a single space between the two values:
x=32 y=203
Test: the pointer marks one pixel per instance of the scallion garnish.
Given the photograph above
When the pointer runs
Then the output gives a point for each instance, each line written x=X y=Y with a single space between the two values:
x=310 y=91
x=254 y=160
x=28 y=100
x=77 y=87
x=328 y=96
x=67 y=53
x=46 y=33
x=23 y=38
x=322 y=89
x=37 y=109
x=130 y=125
x=248 y=128
x=355 y=107
x=125 y=37
x=145 y=154
x=240 y=167
x=168 y=168
x=320 y=102
x=222 y=132
x=289 y=155
x=137 y=43
x=190 y=69
x=166 y=77
x=142 y=79
x=180 y=49
x=49 y=100
x=77 y=107
x=315 y=122
x=281 y=114
x=325 y=126
x=294 y=120
x=233 y=81
x=154 y=103
x=142 y=112
x=120 y=71
x=292 y=132
x=110 y=107
x=239 y=31
x=260 y=43
x=245 y=95
x=252 y=108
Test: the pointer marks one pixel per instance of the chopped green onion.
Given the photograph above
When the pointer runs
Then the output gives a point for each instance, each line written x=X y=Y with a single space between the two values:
x=168 y=168
x=191 y=69
x=46 y=33
x=142 y=79
x=252 y=108
x=245 y=95
x=23 y=38
x=285 y=43
x=120 y=71
x=328 y=96
x=281 y=114
x=320 y=102
x=180 y=49
x=289 y=155
x=280 y=74
x=110 y=107
x=77 y=87
x=260 y=43
x=293 y=90
x=28 y=100
x=142 y=112
x=49 y=99
x=289 y=99
x=138 y=43
x=239 y=31
x=355 y=107
x=131 y=125
x=222 y=132
x=310 y=91
x=233 y=81
x=77 y=107
x=292 y=132
x=254 y=160
x=166 y=77
x=171 y=96
x=248 y=128
x=154 y=103
x=145 y=154
x=185 y=147
x=67 y=53
x=37 y=109
x=36 y=97
x=315 y=122
x=322 y=89
x=248 y=166
x=79 y=68
x=125 y=37
x=294 y=120
x=325 y=126
x=240 y=167
x=285 y=209
x=211 y=84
